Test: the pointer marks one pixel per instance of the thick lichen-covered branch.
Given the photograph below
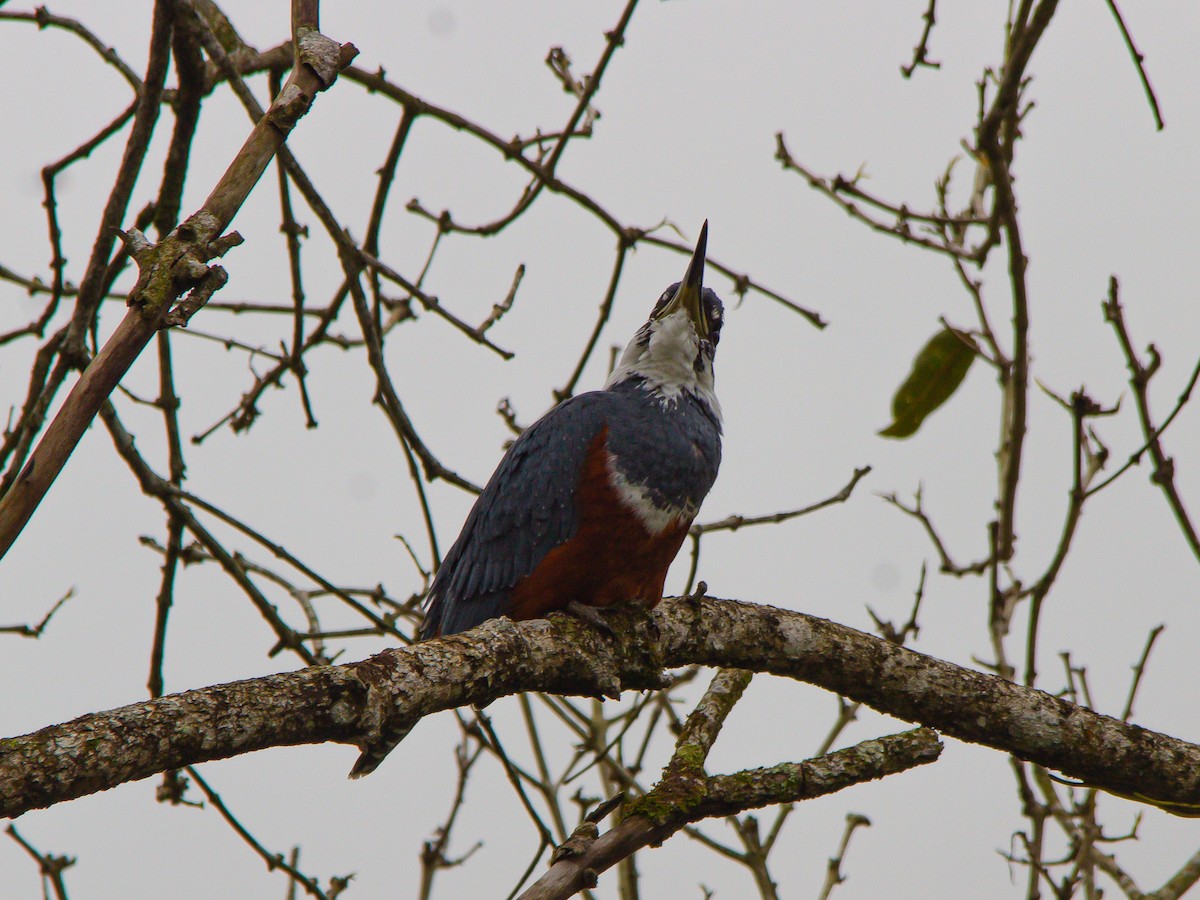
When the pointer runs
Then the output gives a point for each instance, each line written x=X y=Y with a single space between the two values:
x=360 y=702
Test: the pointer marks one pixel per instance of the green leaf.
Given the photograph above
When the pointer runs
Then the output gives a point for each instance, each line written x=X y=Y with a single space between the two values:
x=936 y=374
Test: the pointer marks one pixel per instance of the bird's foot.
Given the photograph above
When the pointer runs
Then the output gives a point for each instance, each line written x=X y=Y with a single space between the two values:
x=590 y=614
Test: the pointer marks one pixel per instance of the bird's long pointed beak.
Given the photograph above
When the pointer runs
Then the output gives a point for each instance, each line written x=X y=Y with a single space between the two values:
x=688 y=293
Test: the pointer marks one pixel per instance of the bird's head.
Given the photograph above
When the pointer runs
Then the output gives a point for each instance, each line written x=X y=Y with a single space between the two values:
x=672 y=354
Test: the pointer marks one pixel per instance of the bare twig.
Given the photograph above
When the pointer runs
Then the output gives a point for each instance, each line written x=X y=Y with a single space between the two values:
x=274 y=861
x=1139 y=62
x=50 y=866
x=833 y=874
x=1139 y=669
x=1139 y=379
x=433 y=853
x=948 y=566
x=837 y=188
x=35 y=631
x=733 y=523
x=921 y=51
x=43 y=18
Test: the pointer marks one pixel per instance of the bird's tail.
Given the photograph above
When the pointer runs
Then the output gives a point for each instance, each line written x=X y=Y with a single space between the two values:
x=373 y=754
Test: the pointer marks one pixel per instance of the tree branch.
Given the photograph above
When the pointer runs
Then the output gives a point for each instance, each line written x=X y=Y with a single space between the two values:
x=360 y=702
x=725 y=795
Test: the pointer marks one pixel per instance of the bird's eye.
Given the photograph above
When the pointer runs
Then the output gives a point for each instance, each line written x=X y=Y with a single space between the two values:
x=715 y=317
x=663 y=300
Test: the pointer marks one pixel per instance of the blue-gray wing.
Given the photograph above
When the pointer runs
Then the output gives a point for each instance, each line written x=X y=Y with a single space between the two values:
x=525 y=511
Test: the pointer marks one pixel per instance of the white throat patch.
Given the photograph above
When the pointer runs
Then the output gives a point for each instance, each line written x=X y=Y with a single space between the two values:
x=667 y=362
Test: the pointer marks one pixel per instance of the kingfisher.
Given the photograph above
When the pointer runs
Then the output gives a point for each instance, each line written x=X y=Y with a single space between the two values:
x=592 y=502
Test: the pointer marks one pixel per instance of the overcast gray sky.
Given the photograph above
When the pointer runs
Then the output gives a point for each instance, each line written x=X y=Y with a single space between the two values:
x=689 y=110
